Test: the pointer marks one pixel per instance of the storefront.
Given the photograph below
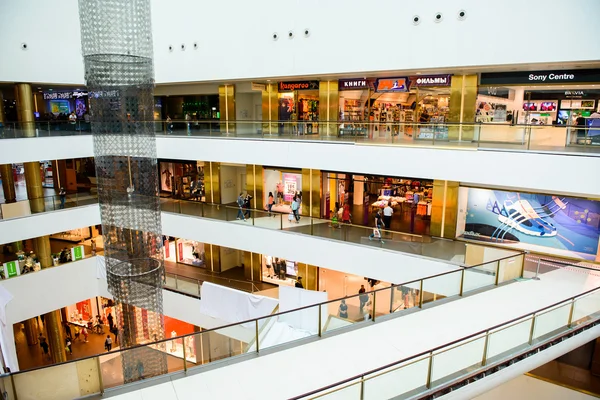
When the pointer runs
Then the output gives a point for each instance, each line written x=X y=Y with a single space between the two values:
x=184 y=251
x=393 y=104
x=64 y=103
x=283 y=184
x=85 y=314
x=279 y=271
x=544 y=223
x=564 y=100
x=410 y=199
x=182 y=179
x=298 y=107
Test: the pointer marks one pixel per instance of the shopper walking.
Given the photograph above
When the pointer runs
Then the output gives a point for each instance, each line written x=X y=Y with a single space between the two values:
x=68 y=347
x=77 y=333
x=346 y=216
x=295 y=207
x=109 y=318
x=343 y=309
x=108 y=343
x=270 y=202
x=247 y=206
x=85 y=334
x=363 y=297
x=388 y=211
x=298 y=283
x=240 y=203
x=169 y=124
x=377 y=229
x=63 y=197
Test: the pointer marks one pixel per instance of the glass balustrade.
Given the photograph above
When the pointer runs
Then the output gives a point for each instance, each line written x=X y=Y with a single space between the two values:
x=404 y=378
x=480 y=135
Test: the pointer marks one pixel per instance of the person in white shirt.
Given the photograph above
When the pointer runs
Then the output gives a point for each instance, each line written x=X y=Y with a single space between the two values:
x=387 y=216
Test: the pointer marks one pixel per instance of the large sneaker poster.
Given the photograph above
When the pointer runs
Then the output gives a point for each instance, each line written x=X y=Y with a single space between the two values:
x=545 y=223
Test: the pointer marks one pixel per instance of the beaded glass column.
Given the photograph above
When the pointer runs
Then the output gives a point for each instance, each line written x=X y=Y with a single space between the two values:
x=116 y=38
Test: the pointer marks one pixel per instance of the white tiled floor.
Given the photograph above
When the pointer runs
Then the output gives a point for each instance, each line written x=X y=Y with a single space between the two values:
x=333 y=359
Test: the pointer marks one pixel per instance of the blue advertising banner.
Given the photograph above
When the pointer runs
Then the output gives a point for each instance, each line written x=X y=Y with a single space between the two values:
x=569 y=225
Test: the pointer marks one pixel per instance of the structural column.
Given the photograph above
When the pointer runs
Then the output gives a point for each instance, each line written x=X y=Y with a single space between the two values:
x=270 y=107
x=254 y=186
x=444 y=209
x=33 y=177
x=212 y=174
x=6 y=174
x=311 y=192
x=463 y=102
x=8 y=182
x=227 y=108
x=329 y=104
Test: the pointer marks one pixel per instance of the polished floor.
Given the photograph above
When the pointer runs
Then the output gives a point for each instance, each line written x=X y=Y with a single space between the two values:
x=569 y=375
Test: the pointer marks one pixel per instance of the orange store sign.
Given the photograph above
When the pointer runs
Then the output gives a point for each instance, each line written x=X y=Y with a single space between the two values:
x=392 y=84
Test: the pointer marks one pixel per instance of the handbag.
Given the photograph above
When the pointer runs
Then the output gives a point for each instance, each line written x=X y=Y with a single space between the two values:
x=290 y=216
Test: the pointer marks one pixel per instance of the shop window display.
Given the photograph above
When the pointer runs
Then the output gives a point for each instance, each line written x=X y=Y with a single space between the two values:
x=559 y=225
x=283 y=185
x=279 y=271
x=410 y=200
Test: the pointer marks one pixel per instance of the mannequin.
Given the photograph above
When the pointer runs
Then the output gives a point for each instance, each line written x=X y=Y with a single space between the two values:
x=269 y=262
x=279 y=191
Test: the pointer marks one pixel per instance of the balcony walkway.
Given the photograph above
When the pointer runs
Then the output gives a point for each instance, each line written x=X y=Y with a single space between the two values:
x=336 y=358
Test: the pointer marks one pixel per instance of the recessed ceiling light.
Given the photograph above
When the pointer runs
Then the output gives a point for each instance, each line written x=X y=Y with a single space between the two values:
x=39 y=87
x=418 y=73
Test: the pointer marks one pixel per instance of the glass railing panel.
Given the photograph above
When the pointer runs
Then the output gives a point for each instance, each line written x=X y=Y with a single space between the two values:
x=169 y=205
x=264 y=219
x=174 y=353
x=111 y=368
x=456 y=361
x=63 y=381
x=215 y=211
x=480 y=276
x=439 y=287
x=342 y=313
x=187 y=285
x=349 y=391
x=291 y=326
x=506 y=340
x=224 y=343
x=191 y=208
x=382 y=302
x=170 y=281
x=194 y=350
x=586 y=306
x=406 y=296
x=510 y=268
x=398 y=382
x=551 y=321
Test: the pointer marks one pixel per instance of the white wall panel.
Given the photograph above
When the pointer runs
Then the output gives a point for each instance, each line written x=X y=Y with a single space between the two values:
x=48 y=223
x=343 y=38
x=51 y=32
x=45 y=148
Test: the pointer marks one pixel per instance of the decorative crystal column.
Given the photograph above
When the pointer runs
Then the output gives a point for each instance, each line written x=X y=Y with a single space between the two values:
x=116 y=38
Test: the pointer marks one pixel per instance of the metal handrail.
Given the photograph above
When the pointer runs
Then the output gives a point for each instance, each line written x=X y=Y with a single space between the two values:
x=462 y=339
x=255 y=321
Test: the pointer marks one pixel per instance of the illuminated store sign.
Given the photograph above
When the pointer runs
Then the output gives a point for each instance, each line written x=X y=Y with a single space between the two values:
x=63 y=95
x=301 y=85
x=392 y=84
x=527 y=77
x=430 y=80
x=353 y=84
